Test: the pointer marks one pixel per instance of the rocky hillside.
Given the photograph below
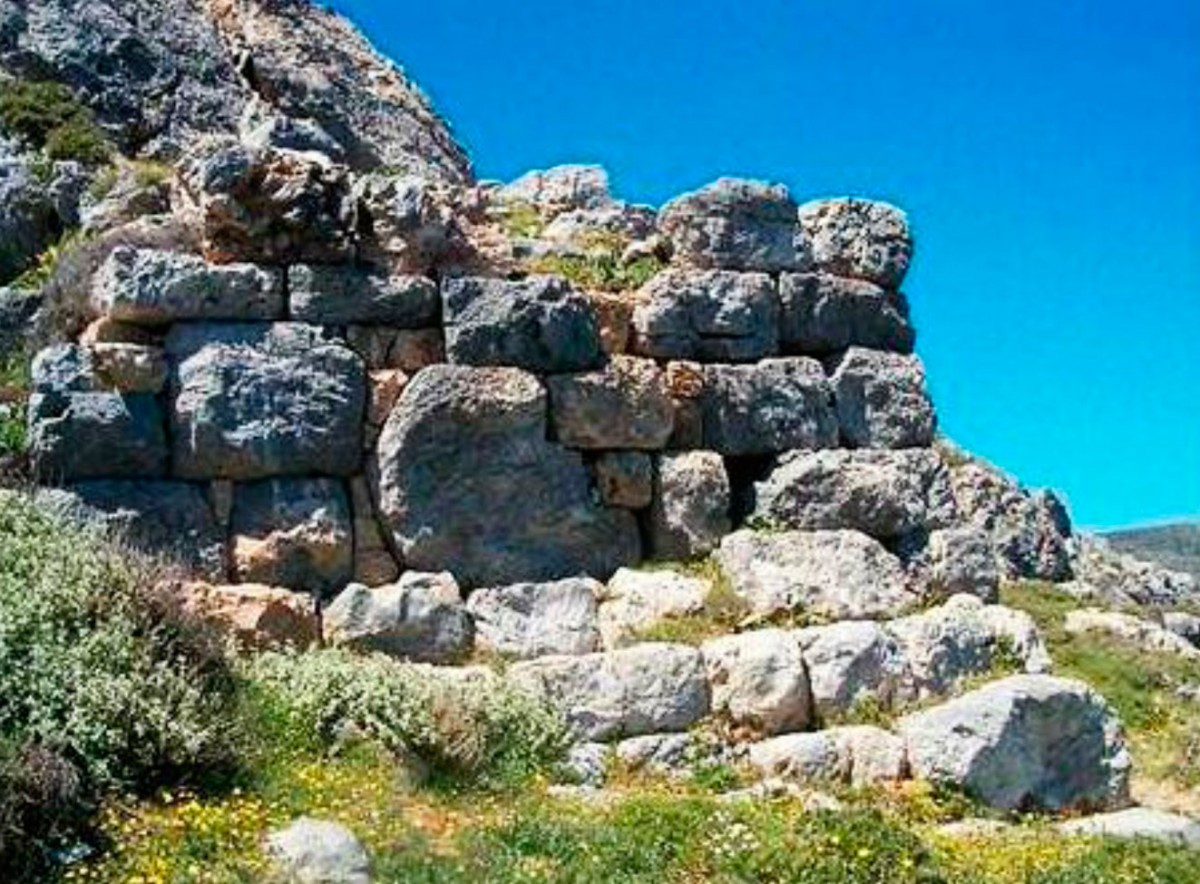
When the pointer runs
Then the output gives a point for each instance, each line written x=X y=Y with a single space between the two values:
x=660 y=490
x=1172 y=546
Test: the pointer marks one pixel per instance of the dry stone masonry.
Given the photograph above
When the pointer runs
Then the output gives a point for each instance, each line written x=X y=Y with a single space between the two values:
x=351 y=411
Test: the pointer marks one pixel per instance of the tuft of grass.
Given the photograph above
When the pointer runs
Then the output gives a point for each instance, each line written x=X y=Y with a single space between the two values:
x=520 y=219
x=598 y=271
x=724 y=610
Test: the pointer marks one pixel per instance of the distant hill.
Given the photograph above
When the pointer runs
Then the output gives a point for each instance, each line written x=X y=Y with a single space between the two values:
x=1173 y=546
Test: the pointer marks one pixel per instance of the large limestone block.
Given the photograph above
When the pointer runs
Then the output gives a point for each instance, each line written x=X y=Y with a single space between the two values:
x=560 y=189
x=708 y=315
x=467 y=481
x=962 y=560
x=851 y=663
x=690 y=512
x=635 y=601
x=646 y=689
x=251 y=401
x=75 y=436
x=822 y=314
x=839 y=575
x=733 y=224
x=858 y=238
x=886 y=494
x=964 y=638
x=154 y=288
x=857 y=755
x=539 y=324
x=882 y=400
x=350 y=296
x=758 y=682
x=268 y=206
x=626 y=405
x=296 y=533
x=1137 y=822
x=1028 y=741
x=767 y=407
x=625 y=479
x=421 y=618
x=99 y=368
x=172 y=521
x=312 y=851
x=257 y=617
x=527 y=620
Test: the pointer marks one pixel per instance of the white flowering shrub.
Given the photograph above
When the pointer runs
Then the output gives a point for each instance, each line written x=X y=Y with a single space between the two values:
x=465 y=721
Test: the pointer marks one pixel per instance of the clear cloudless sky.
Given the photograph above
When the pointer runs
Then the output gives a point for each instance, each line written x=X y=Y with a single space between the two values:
x=1047 y=152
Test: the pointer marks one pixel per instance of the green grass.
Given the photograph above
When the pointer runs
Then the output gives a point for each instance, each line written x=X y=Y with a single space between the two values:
x=601 y=271
x=724 y=610
x=47 y=116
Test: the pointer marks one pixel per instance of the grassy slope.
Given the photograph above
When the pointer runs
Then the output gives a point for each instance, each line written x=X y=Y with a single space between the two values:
x=1173 y=546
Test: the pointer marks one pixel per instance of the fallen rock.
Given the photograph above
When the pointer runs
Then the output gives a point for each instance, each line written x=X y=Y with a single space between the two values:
x=528 y=620
x=690 y=512
x=851 y=663
x=257 y=617
x=734 y=224
x=348 y=296
x=770 y=406
x=646 y=689
x=1137 y=822
x=635 y=601
x=758 y=682
x=311 y=851
x=886 y=494
x=539 y=324
x=251 y=401
x=711 y=316
x=1024 y=742
x=858 y=238
x=840 y=575
x=882 y=400
x=171 y=521
x=625 y=479
x=419 y=618
x=1142 y=634
x=296 y=533
x=482 y=433
x=625 y=406
x=155 y=288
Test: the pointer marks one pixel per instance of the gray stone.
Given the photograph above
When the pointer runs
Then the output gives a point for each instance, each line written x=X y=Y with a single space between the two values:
x=527 y=620
x=311 y=851
x=296 y=533
x=1025 y=742
x=348 y=296
x=691 y=508
x=962 y=560
x=467 y=481
x=98 y=368
x=407 y=350
x=540 y=324
x=1029 y=530
x=260 y=128
x=882 y=400
x=712 y=316
x=75 y=436
x=635 y=601
x=858 y=238
x=670 y=754
x=625 y=405
x=419 y=618
x=1134 y=631
x=840 y=575
x=1114 y=578
x=585 y=229
x=171 y=521
x=646 y=689
x=851 y=663
x=734 y=224
x=886 y=494
x=34 y=212
x=858 y=755
x=17 y=312
x=409 y=223
x=1137 y=822
x=1184 y=625
x=251 y=401
x=962 y=639
x=770 y=406
x=758 y=682
x=821 y=314
x=560 y=189
x=625 y=479
x=268 y=206
x=155 y=288
x=586 y=763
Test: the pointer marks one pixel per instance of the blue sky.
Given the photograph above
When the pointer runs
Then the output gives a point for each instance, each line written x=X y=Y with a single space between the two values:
x=1048 y=154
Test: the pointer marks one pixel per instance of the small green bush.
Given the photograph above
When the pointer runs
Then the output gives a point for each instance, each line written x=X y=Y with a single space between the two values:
x=474 y=727
x=103 y=687
x=47 y=116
